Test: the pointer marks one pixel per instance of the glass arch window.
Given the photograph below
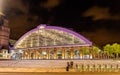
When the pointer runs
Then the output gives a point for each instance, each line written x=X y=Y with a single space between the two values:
x=50 y=36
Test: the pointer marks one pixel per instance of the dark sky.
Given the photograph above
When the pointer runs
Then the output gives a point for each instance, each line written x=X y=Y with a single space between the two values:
x=97 y=20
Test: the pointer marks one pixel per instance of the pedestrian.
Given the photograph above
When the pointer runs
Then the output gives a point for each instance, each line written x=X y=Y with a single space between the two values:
x=67 y=68
x=68 y=64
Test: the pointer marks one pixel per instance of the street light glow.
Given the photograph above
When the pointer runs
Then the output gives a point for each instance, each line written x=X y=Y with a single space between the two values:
x=1 y=7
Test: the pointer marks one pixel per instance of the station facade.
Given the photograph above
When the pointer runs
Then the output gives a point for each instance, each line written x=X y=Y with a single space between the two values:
x=52 y=42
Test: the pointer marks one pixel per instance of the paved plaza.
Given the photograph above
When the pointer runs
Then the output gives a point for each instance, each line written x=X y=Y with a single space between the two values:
x=51 y=67
x=58 y=65
x=53 y=63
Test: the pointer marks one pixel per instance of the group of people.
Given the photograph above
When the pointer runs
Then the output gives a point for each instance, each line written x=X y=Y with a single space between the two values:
x=69 y=65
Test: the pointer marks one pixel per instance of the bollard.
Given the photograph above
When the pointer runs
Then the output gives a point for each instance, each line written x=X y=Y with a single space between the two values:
x=111 y=67
x=88 y=67
x=76 y=67
x=117 y=67
x=93 y=67
x=105 y=67
x=82 y=66
x=100 y=67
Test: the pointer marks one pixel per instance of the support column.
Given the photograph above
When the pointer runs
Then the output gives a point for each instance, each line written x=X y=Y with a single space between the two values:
x=81 y=53
x=38 y=54
x=90 y=48
x=55 y=53
x=28 y=54
x=72 y=52
x=41 y=56
x=63 y=53
x=60 y=50
x=47 y=55
x=35 y=53
x=31 y=54
x=23 y=55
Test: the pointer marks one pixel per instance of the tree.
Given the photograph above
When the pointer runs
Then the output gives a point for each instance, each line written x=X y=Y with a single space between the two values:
x=112 y=49
x=116 y=49
x=85 y=51
x=108 y=50
x=95 y=51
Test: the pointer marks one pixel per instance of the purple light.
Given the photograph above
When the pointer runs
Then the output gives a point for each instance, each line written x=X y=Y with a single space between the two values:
x=57 y=28
x=71 y=32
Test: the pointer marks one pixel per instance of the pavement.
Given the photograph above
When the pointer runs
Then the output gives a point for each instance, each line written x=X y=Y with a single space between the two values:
x=49 y=71
x=4 y=69
x=34 y=70
x=59 y=73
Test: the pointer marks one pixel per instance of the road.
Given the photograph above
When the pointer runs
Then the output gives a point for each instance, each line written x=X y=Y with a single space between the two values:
x=61 y=73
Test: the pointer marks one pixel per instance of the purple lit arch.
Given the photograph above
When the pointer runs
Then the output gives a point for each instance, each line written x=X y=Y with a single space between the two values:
x=87 y=42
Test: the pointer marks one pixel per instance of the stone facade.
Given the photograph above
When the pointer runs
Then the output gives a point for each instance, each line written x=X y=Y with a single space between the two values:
x=4 y=33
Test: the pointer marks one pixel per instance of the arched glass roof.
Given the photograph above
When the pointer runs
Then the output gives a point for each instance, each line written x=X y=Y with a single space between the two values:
x=48 y=36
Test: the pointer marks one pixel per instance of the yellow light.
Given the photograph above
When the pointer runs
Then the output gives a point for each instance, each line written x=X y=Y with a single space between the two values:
x=1 y=13
x=1 y=7
x=1 y=2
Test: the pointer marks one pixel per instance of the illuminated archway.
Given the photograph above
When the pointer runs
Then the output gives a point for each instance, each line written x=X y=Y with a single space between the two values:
x=51 y=36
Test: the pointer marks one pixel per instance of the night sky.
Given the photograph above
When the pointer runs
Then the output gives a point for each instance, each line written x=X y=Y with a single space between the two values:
x=97 y=20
